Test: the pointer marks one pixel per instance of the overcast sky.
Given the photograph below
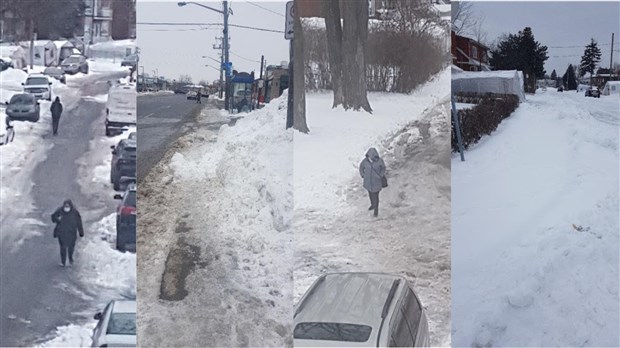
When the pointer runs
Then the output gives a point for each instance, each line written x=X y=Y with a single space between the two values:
x=555 y=25
x=176 y=50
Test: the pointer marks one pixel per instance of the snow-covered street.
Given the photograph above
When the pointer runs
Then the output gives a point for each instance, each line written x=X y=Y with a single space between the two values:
x=535 y=221
x=334 y=231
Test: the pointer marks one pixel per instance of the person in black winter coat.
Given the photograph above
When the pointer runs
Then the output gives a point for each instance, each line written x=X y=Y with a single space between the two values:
x=56 y=110
x=68 y=226
x=198 y=96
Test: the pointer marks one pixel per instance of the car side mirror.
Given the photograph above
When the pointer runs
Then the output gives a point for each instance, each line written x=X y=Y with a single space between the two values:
x=22 y=84
x=117 y=196
x=112 y=147
x=49 y=83
x=98 y=316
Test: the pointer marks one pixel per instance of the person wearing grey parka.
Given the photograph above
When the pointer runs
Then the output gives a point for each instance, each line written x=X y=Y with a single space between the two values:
x=372 y=170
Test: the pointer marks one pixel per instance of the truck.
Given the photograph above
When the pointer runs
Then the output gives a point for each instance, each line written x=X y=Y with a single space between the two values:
x=121 y=108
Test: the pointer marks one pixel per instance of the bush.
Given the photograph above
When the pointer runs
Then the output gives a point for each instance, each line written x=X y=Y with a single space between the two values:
x=484 y=118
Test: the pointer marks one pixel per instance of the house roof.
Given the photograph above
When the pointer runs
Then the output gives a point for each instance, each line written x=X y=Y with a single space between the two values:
x=471 y=40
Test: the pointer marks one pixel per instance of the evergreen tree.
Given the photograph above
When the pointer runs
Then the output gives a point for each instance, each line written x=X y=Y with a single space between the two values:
x=569 y=79
x=521 y=52
x=589 y=60
x=554 y=75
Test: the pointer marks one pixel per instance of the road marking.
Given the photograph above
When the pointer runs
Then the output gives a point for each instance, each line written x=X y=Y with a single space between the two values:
x=149 y=115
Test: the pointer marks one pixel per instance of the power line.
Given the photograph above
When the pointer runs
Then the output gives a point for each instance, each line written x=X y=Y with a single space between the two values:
x=249 y=60
x=213 y=24
x=266 y=9
x=583 y=46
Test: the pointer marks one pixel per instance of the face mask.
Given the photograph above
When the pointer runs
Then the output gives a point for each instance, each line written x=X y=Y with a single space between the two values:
x=67 y=209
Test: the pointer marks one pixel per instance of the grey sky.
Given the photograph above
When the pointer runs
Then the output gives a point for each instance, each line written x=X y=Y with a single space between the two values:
x=557 y=24
x=176 y=50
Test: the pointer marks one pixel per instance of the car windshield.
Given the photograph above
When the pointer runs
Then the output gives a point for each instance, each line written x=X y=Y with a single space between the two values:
x=32 y=81
x=122 y=324
x=22 y=99
x=332 y=332
x=131 y=198
x=72 y=60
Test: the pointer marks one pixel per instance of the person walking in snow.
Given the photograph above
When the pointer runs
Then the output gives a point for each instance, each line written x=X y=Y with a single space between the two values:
x=56 y=110
x=372 y=170
x=68 y=225
x=198 y=95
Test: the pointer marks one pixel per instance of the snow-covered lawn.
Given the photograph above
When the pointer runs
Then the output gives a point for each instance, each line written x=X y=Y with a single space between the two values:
x=535 y=221
x=230 y=201
x=328 y=157
x=334 y=232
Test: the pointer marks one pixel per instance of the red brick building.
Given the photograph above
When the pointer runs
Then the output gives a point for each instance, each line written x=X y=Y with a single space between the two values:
x=469 y=54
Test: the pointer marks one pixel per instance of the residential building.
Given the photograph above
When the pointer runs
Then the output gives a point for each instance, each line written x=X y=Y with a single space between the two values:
x=97 y=21
x=12 y=28
x=469 y=54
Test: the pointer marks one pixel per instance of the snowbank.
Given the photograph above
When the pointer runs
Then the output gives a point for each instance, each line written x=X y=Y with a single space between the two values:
x=535 y=228
x=71 y=336
x=328 y=157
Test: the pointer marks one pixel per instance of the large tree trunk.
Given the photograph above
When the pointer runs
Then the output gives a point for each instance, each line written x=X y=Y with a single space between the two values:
x=298 y=79
x=355 y=34
x=333 y=28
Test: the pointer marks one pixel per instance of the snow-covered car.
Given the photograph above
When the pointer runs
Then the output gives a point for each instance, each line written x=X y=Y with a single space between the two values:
x=126 y=219
x=130 y=61
x=74 y=64
x=361 y=310
x=192 y=95
x=116 y=325
x=39 y=85
x=123 y=161
x=132 y=135
x=5 y=63
x=593 y=92
x=121 y=108
x=56 y=73
x=23 y=107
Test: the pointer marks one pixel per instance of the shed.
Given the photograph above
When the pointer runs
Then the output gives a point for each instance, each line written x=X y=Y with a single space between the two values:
x=45 y=52
x=501 y=81
x=16 y=54
x=65 y=49
x=611 y=88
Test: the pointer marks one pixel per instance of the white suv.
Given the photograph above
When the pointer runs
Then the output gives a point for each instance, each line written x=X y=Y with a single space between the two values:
x=39 y=85
x=360 y=310
x=116 y=326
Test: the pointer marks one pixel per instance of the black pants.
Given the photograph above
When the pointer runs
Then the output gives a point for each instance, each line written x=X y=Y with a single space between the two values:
x=198 y=101
x=374 y=201
x=66 y=247
x=55 y=121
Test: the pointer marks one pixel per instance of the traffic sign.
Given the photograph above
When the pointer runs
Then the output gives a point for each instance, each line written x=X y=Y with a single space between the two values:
x=290 y=20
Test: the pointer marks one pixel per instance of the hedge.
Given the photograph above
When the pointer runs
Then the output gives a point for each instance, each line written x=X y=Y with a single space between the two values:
x=484 y=118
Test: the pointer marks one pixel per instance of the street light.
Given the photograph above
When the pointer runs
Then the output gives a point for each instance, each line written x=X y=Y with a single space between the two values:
x=224 y=11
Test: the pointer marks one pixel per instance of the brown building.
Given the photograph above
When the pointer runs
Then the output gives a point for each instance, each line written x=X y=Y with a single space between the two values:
x=469 y=54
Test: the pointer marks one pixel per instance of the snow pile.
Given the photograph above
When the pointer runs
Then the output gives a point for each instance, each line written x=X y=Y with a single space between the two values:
x=535 y=228
x=71 y=336
x=327 y=158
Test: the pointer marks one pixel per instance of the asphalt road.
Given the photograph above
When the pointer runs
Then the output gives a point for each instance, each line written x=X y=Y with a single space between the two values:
x=160 y=122
x=36 y=294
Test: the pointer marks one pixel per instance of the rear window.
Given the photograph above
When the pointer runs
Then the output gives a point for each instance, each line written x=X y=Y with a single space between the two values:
x=72 y=60
x=37 y=81
x=122 y=324
x=332 y=332
x=52 y=71
x=22 y=99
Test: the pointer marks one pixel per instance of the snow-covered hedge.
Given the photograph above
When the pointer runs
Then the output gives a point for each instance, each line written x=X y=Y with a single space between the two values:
x=484 y=118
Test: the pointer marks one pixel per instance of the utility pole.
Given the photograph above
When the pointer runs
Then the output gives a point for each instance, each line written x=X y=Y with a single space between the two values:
x=260 y=78
x=221 y=48
x=611 y=59
x=226 y=56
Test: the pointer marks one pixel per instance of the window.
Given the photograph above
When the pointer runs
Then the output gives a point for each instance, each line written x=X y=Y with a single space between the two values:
x=412 y=311
x=332 y=332
x=474 y=51
x=400 y=336
x=122 y=324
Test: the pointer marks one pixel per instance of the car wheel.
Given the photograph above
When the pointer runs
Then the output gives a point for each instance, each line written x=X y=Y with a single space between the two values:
x=117 y=185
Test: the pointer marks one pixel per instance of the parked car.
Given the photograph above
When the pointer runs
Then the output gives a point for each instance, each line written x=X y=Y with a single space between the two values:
x=116 y=326
x=560 y=89
x=362 y=310
x=593 y=92
x=130 y=61
x=192 y=95
x=74 y=64
x=180 y=91
x=56 y=73
x=121 y=108
x=39 y=85
x=23 y=107
x=123 y=161
x=5 y=64
x=133 y=135
x=126 y=220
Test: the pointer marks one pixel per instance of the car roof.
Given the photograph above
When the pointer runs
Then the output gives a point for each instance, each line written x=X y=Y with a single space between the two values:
x=355 y=298
x=36 y=75
x=124 y=306
x=129 y=142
